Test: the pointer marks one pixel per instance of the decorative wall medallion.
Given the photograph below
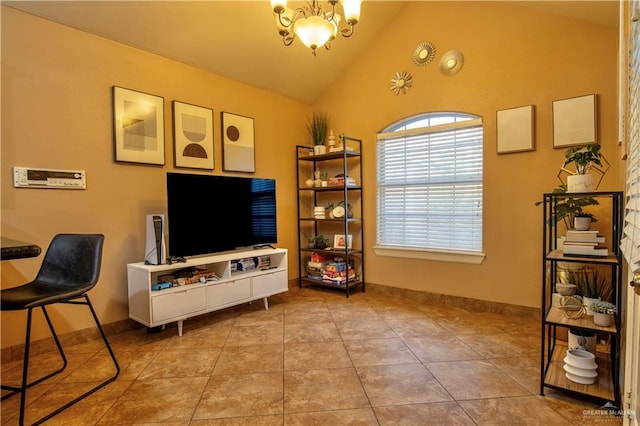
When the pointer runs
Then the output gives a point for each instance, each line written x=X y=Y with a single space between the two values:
x=451 y=62
x=424 y=53
x=401 y=83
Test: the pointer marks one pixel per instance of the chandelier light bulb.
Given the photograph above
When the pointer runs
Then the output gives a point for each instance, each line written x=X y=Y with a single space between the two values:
x=314 y=31
x=278 y=6
x=351 y=11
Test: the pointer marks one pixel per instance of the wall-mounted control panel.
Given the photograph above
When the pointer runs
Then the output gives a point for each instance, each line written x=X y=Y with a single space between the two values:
x=25 y=177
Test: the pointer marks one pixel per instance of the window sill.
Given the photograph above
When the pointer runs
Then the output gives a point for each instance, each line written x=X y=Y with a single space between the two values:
x=474 y=258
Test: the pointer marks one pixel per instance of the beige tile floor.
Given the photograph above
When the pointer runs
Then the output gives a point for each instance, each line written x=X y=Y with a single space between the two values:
x=313 y=358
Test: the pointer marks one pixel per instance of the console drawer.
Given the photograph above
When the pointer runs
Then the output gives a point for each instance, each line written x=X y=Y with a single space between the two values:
x=271 y=283
x=228 y=292
x=177 y=304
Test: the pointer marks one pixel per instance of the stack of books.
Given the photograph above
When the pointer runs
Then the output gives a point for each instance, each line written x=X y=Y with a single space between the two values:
x=315 y=270
x=335 y=271
x=584 y=243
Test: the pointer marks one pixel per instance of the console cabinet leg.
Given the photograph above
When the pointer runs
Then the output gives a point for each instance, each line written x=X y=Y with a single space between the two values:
x=180 y=328
x=266 y=303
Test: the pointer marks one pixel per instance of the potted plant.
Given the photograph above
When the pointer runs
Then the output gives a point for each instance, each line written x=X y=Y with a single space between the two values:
x=591 y=286
x=583 y=157
x=568 y=208
x=321 y=242
x=602 y=313
x=318 y=127
x=582 y=221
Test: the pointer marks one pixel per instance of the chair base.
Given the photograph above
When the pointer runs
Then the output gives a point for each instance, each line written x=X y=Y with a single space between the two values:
x=22 y=389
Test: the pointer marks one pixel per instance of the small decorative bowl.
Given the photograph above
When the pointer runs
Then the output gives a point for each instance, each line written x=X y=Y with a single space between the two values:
x=566 y=289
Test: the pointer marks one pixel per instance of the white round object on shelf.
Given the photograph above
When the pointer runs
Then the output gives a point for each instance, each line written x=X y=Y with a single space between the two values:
x=582 y=372
x=580 y=380
x=580 y=359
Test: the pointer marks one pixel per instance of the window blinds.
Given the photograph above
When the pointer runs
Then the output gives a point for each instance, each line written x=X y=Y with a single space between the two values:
x=630 y=244
x=430 y=187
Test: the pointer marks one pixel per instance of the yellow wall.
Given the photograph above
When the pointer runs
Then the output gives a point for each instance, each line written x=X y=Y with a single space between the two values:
x=513 y=56
x=56 y=113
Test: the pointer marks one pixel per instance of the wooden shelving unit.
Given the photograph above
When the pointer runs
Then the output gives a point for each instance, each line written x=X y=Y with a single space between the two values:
x=554 y=320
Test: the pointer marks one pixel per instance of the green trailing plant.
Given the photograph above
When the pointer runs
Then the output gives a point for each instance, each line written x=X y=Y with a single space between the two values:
x=603 y=307
x=318 y=127
x=583 y=157
x=567 y=208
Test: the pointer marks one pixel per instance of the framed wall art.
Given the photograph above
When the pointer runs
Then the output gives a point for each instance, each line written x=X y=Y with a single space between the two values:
x=515 y=129
x=574 y=121
x=238 y=145
x=138 y=126
x=193 y=136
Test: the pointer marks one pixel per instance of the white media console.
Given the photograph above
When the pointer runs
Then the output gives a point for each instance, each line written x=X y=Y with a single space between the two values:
x=238 y=279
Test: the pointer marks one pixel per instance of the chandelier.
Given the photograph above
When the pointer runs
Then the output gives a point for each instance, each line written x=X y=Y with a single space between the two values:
x=314 y=26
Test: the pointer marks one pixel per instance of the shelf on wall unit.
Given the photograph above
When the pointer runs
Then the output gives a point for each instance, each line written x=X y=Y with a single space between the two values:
x=329 y=155
x=610 y=259
x=351 y=220
x=555 y=375
x=337 y=252
x=555 y=316
x=331 y=188
x=342 y=285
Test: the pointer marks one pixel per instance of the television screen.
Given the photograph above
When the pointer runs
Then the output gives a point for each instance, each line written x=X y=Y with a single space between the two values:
x=209 y=214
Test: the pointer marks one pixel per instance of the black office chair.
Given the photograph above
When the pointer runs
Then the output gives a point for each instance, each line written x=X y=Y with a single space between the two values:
x=70 y=269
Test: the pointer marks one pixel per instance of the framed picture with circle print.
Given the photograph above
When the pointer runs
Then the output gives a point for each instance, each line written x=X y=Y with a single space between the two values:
x=238 y=144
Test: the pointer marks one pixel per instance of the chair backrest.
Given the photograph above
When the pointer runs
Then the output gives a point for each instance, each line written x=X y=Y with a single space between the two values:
x=72 y=261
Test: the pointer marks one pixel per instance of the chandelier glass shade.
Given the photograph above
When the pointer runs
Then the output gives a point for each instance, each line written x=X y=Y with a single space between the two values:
x=312 y=24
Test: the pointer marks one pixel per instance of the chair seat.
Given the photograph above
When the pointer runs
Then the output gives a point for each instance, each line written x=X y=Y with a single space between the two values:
x=38 y=293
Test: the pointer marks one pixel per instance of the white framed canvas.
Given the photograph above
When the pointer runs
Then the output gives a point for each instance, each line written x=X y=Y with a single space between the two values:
x=574 y=121
x=515 y=129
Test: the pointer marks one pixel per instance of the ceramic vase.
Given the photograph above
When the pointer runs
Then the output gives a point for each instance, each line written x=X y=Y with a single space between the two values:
x=603 y=320
x=581 y=223
x=580 y=366
x=319 y=149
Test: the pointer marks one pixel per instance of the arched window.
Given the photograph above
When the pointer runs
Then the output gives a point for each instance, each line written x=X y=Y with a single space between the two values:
x=430 y=187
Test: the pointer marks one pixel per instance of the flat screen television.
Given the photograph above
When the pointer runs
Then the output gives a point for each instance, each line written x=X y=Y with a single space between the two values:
x=210 y=214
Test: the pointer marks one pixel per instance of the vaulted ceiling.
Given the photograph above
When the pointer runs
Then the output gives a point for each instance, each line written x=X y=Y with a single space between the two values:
x=238 y=39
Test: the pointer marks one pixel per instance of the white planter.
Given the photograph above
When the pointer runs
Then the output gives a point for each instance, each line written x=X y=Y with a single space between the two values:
x=603 y=320
x=580 y=183
x=581 y=223
x=319 y=149
x=587 y=302
x=587 y=343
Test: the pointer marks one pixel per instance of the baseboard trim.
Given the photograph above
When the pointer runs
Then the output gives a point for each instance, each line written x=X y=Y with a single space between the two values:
x=15 y=353
x=476 y=305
